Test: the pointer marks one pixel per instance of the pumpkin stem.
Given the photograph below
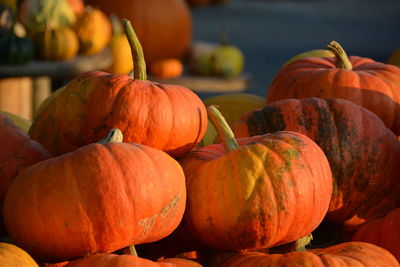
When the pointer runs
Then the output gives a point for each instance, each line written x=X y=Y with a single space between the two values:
x=136 y=50
x=131 y=250
x=342 y=61
x=113 y=136
x=298 y=245
x=224 y=131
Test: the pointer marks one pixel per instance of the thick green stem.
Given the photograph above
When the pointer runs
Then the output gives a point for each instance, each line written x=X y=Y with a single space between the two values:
x=224 y=131
x=113 y=136
x=136 y=50
x=343 y=61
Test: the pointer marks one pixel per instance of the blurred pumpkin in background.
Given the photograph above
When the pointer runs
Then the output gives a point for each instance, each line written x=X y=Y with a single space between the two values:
x=37 y=15
x=120 y=50
x=56 y=44
x=93 y=29
x=163 y=27
x=167 y=68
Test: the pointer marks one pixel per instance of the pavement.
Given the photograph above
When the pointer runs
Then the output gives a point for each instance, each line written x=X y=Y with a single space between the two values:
x=269 y=32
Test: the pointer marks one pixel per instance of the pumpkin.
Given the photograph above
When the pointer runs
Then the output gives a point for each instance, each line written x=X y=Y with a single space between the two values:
x=120 y=50
x=56 y=44
x=166 y=68
x=78 y=7
x=265 y=191
x=18 y=152
x=13 y=256
x=44 y=129
x=344 y=254
x=231 y=106
x=97 y=199
x=21 y=122
x=15 y=49
x=171 y=118
x=383 y=232
x=163 y=27
x=311 y=53
x=38 y=15
x=130 y=260
x=362 y=152
x=368 y=83
x=93 y=29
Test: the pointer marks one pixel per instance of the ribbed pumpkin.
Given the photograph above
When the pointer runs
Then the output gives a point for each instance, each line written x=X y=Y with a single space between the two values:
x=347 y=254
x=112 y=260
x=163 y=27
x=100 y=198
x=371 y=84
x=13 y=256
x=93 y=29
x=44 y=128
x=56 y=44
x=383 y=232
x=268 y=190
x=167 y=117
x=363 y=154
x=18 y=152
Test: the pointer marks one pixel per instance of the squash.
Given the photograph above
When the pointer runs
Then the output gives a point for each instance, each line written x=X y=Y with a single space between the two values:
x=163 y=27
x=97 y=199
x=362 y=152
x=93 y=29
x=344 y=254
x=38 y=15
x=255 y=192
x=368 y=83
x=168 y=117
x=120 y=50
x=15 y=49
x=311 y=53
x=13 y=256
x=383 y=232
x=56 y=44
x=21 y=122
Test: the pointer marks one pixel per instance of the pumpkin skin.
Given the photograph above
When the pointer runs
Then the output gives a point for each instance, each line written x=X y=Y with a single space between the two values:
x=158 y=24
x=370 y=84
x=56 y=44
x=112 y=260
x=345 y=254
x=276 y=181
x=383 y=232
x=18 y=152
x=83 y=211
x=93 y=29
x=44 y=129
x=362 y=152
x=13 y=256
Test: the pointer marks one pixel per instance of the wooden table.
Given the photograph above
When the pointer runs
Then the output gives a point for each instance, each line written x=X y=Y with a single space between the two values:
x=42 y=72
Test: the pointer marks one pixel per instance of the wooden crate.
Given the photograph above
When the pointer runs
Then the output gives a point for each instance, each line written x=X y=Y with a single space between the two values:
x=16 y=96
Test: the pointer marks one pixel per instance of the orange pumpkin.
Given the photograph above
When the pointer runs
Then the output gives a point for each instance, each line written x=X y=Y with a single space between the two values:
x=13 y=256
x=93 y=29
x=265 y=191
x=383 y=232
x=129 y=260
x=345 y=254
x=100 y=198
x=171 y=118
x=373 y=85
x=163 y=27
x=166 y=68
x=18 y=152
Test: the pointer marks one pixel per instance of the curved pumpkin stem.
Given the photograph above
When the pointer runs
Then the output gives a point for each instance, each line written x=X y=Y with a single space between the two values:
x=113 y=136
x=224 y=131
x=139 y=72
x=298 y=245
x=343 y=60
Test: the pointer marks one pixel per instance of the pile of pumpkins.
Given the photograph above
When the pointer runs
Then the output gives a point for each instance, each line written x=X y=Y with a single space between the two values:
x=113 y=171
